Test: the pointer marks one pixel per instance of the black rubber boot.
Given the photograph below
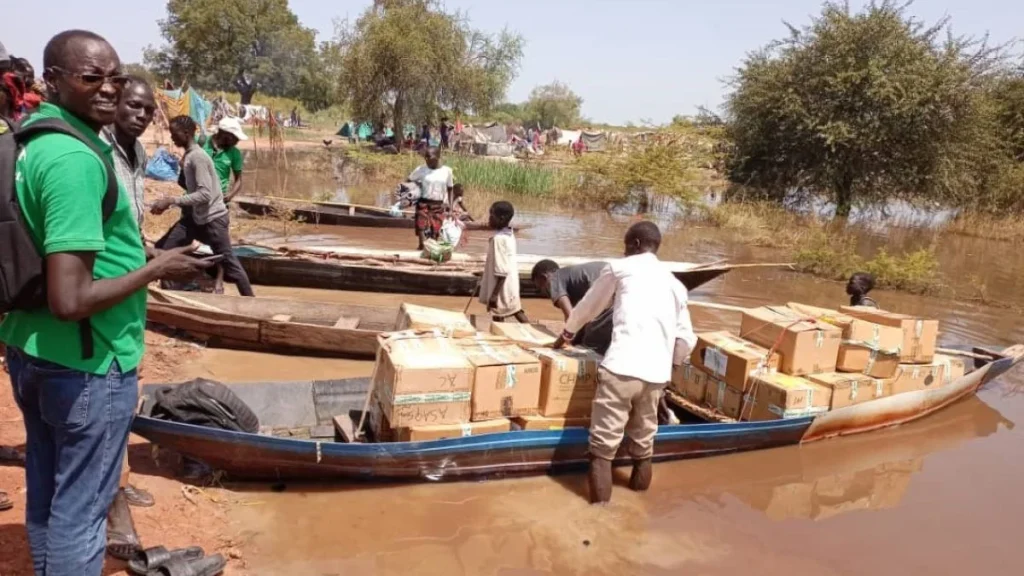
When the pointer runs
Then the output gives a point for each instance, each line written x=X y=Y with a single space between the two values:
x=122 y=541
x=643 y=472
x=600 y=480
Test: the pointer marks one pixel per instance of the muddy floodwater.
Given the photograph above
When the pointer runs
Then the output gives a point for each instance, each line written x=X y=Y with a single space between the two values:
x=941 y=496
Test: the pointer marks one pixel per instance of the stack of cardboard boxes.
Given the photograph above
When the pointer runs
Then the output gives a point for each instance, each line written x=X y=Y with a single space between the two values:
x=438 y=381
x=820 y=360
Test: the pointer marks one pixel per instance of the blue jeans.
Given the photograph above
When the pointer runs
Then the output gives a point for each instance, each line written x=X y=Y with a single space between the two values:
x=76 y=426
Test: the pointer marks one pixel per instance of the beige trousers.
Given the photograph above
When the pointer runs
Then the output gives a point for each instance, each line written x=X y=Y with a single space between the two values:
x=624 y=406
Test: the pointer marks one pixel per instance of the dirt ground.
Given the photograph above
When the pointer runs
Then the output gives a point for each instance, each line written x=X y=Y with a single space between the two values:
x=183 y=515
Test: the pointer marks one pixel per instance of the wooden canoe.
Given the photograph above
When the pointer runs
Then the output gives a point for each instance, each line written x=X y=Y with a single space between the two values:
x=271 y=268
x=313 y=405
x=334 y=214
x=273 y=324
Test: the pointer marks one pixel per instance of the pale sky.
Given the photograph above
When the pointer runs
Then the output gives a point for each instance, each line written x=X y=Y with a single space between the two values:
x=630 y=60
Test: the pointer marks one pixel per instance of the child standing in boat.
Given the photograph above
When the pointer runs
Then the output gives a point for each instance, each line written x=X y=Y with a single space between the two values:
x=651 y=330
x=499 y=287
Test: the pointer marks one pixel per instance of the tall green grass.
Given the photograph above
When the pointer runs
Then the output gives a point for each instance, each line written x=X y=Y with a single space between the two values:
x=508 y=177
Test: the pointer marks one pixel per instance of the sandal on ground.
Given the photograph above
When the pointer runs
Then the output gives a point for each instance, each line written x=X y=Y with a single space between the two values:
x=5 y=502
x=208 y=566
x=147 y=561
x=137 y=497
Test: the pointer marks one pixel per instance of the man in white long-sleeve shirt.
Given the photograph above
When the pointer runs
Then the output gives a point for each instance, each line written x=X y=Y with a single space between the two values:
x=651 y=329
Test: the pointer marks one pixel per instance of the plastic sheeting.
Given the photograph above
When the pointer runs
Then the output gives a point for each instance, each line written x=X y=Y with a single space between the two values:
x=162 y=166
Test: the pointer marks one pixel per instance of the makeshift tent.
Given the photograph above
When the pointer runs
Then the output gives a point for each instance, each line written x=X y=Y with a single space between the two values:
x=494 y=133
x=567 y=137
x=185 y=103
x=595 y=141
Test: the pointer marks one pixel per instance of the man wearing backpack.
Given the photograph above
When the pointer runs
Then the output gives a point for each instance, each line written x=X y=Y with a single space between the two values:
x=73 y=346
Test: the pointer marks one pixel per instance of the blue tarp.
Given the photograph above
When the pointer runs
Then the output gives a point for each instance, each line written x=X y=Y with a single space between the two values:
x=162 y=166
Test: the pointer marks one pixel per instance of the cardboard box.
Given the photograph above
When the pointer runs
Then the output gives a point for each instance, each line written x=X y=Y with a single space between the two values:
x=377 y=423
x=729 y=358
x=551 y=423
x=849 y=389
x=724 y=398
x=568 y=381
x=690 y=382
x=953 y=367
x=444 y=322
x=941 y=372
x=527 y=334
x=778 y=396
x=919 y=335
x=422 y=380
x=805 y=346
x=442 y=431
x=867 y=348
x=506 y=379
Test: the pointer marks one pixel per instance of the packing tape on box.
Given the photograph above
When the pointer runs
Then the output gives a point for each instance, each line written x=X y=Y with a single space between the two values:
x=878 y=388
x=716 y=361
x=510 y=376
x=918 y=329
x=721 y=394
x=853 y=390
x=467 y=430
x=871 y=361
x=916 y=373
x=796 y=412
x=810 y=397
x=819 y=339
x=429 y=398
x=947 y=366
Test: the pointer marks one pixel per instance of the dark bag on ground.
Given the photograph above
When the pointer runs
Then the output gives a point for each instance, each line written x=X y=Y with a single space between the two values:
x=204 y=403
x=22 y=267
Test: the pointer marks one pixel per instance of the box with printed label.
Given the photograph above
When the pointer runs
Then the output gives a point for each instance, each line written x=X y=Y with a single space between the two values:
x=506 y=379
x=849 y=389
x=568 y=380
x=805 y=345
x=422 y=380
x=942 y=371
x=690 y=382
x=445 y=322
x=779 y=396
x=729 y=358
x=919 y=335
x=442 y=431
x=526 y=334
x=723 y=398
x=868 y=348
x=551 y=422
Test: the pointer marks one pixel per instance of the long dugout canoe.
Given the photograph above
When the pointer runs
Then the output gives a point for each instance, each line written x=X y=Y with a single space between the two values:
x=313 y=405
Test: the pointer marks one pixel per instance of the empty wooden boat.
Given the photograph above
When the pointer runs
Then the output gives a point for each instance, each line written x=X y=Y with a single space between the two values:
x=334 y=214
x=273 y=324
x=311 y=407
x=376 y=272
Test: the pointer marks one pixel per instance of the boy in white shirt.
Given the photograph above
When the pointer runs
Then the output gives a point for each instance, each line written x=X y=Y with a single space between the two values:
x=651 y=329
x=499 y=287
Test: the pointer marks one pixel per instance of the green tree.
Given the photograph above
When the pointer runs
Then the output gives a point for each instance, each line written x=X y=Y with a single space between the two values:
x=245 y=45
x=553 y=105
x=862 y=107
x=410 y=60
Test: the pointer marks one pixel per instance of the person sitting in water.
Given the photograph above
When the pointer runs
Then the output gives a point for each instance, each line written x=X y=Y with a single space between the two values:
x=566 y=287
x=858 y=287
x=459 y=210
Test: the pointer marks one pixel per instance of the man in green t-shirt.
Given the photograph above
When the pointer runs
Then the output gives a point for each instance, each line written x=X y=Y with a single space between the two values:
x=78 y=407
x=227 y=158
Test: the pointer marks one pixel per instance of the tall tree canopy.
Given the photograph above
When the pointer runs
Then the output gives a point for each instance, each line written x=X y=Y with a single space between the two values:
x=243 y=45
x=553 y=105
x=411 y=60
x=863 y=107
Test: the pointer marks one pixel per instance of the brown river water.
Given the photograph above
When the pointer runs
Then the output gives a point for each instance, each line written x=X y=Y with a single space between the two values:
x=939 y=496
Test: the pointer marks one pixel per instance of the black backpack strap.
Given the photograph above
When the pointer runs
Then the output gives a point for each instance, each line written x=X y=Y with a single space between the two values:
x=25 y=132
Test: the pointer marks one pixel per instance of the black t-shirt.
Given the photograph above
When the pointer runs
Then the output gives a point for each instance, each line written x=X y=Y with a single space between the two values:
x=574 y=281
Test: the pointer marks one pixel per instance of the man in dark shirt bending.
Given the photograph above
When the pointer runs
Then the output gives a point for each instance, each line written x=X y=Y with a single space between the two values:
x=566 y=287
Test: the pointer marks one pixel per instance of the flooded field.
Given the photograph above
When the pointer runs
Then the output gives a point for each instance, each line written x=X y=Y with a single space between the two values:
x=936 y=497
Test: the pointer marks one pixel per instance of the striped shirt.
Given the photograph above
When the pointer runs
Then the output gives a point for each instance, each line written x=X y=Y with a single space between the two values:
x=133 y=178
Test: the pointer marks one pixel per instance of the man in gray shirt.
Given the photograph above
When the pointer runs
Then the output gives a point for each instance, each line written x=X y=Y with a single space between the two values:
x=204 y=216
x=566 y=287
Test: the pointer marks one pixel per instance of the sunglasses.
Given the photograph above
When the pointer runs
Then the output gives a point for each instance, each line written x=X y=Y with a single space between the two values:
x=94 y=80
